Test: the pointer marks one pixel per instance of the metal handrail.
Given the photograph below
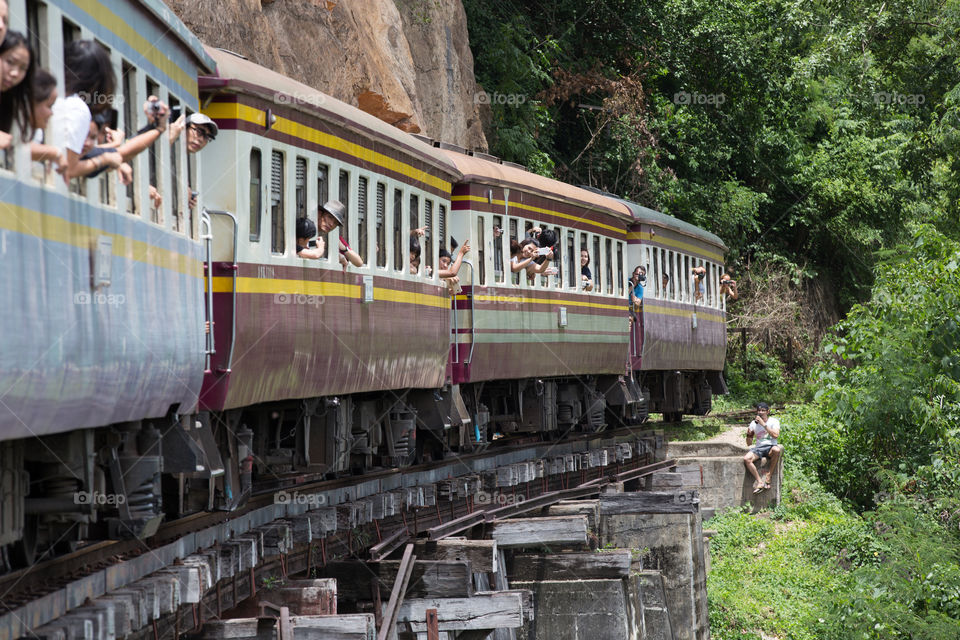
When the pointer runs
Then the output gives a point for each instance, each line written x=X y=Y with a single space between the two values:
x=473 y=315
x=207 y=237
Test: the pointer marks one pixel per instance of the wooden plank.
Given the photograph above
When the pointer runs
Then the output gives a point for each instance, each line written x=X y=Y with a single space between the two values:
x=650 y=502
x=339 y=627
x=666 y=481
x=539 y=532
x=396 y=596
x=430 y=578
x=433 y=625
x=491 y=610
x=589 y=565
x=481 y=554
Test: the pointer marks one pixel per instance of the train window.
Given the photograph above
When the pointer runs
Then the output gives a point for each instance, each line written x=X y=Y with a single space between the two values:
x=620 y=291
x=300 y=191
x=256 y=194
x=498 y=274
x=37 y=32
x=277 y=241
x=414 y=211
x=400 y=251
x=442 y=226
x=670 y=272
x=557 y=259
x=514 y=231
x=344 y=197
x=323 y=195
x=428 y=248
x=481 y=256
x=362 y=218
x=686 y=267
x=608 y=262
x=128 y=86
x=153 y=166
x=573 y=261
x=657 y=278
x=381 y=225
x=175 y=184
x=71 y=31
x=597 y=279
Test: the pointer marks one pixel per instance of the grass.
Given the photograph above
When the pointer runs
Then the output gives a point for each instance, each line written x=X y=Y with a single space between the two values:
x=766 y=579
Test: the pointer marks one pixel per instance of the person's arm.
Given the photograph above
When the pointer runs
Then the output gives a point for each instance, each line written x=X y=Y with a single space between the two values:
x=313 y=253
x=77 y=168
x=177 y=127
x=114 y=139
x=350 y=255
x=543 y=266
x=520 y=265
x=48 y=153
x=750 y=435
x=455 y=266
x=773 y=428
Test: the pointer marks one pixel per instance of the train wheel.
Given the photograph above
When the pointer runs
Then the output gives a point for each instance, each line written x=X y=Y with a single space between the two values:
x=673 y=416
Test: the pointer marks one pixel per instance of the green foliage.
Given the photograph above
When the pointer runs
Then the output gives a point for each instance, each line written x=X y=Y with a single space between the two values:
x=763 y=379
x=816 y=131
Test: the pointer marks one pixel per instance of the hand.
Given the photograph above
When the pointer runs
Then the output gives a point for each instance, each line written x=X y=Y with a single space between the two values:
x=419 y=232
x=5 y=140
x=465 y=248
x=192 y=203
x=156 y=198
x=550 y=255
x=125 y=172
x=113 y=136
x=551 y=271
x=156 y=112
x=60 y=162
x=535 y=231
x=321 y=245
x=176 y=128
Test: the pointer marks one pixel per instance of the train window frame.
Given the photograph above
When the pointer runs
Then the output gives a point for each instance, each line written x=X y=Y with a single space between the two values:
x=413 y=222
x=300 y=191
x=277 y=217
x=558 y=283
x=608 y=260
x=401 y=259
x=514 y=234
x=382 y=249
x=481 y=252
x=258 y=218
x=654 y=255
x=323 y=196
x=363 y=220
x=499 y=275
x=429 y=248
x=344 y=189
x=597 y=258
x=620 y=269
x=573 y=260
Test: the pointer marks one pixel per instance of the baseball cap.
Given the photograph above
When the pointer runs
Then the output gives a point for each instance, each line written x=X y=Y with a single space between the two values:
x=202 y=120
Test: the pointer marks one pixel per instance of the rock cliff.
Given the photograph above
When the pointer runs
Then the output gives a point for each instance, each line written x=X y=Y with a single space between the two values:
x=406 y=61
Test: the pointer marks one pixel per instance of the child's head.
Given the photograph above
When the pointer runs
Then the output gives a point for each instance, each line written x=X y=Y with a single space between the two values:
x=93 y=136
x=44 y=95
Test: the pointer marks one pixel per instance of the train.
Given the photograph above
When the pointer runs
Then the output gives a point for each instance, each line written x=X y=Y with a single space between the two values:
x=164 y=360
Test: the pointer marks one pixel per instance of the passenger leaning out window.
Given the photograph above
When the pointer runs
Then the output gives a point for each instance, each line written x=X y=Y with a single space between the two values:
x=307 y=247
x=16 y=87
x=586 y=277
x=331 y=216
x=699 y=282
x=449 y=269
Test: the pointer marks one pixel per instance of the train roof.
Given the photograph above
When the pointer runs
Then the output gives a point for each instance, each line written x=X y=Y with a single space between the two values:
x=236 y=72
x=484 y=171
x=176 y=26
x=645 y=215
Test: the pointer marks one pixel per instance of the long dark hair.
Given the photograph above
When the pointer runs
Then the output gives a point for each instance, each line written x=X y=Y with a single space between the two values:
x=15 y=103
x=89 y=74
x=44 y=85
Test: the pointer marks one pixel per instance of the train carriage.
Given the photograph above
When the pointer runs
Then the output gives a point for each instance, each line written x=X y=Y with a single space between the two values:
x=290 y=331
x=104 y=321
x=523 y=344
x=679 y=348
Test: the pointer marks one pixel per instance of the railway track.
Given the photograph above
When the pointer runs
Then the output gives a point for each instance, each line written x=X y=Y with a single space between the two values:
x=458 y=494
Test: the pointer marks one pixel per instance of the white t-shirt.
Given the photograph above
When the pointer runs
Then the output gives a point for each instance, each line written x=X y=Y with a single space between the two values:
x=70 y=123
x=761 y=433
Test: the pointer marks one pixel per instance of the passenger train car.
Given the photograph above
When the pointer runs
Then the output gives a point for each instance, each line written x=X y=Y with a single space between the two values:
x=161 y=361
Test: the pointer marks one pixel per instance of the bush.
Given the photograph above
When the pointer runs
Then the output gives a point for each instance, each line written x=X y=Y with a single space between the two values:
x=764 y=379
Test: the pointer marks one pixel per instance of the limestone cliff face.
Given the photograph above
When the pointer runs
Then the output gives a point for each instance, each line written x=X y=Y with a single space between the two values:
x=406 y=61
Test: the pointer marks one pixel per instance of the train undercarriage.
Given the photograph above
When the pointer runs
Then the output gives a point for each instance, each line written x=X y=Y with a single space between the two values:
x=123 y=480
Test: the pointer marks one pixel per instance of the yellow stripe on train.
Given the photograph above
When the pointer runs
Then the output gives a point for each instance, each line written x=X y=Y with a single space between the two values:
x=280 y=286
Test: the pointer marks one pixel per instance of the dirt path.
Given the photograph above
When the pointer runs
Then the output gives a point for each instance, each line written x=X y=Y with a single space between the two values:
x=735 y=435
